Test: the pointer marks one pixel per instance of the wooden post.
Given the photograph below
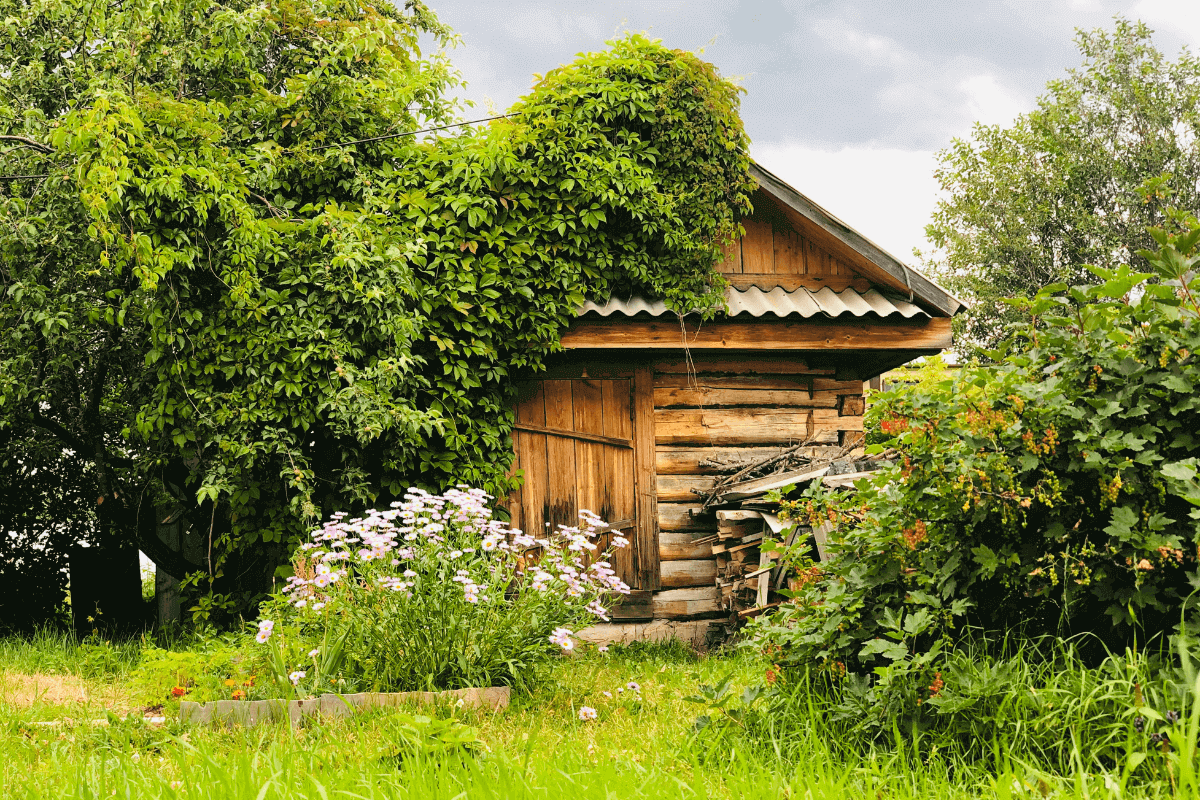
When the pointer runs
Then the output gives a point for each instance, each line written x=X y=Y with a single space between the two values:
x=649 y=577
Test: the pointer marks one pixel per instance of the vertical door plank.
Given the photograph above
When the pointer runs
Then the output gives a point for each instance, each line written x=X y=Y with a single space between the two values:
x=560 y=454
x=531 y=449
x=588 y=407
x=649 y=577
x=620 y=499
x=514 y=500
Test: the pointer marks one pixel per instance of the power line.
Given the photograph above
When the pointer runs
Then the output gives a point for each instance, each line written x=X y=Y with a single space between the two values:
x=331 y=146
x=407 y=133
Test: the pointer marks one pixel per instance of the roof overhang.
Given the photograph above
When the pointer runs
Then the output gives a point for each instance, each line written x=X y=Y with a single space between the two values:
x=866 y=256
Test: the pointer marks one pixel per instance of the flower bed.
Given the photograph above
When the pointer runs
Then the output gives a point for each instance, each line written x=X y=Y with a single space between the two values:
x=433 y=593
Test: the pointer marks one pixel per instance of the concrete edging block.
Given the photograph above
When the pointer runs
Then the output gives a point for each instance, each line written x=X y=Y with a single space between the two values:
x=250 y=713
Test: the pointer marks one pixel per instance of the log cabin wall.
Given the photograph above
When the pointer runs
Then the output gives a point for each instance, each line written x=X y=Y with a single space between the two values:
x=778 y=369
x=724 y=407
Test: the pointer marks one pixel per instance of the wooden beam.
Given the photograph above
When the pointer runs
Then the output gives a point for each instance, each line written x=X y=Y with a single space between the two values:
x=645 y=478
x=635 y=605
x=761 y=334
x=565 y=434
x=678 y=517
x=710 y=363
x=702 y=395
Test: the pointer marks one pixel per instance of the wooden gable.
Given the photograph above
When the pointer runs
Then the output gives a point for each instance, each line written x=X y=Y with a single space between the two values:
x=780 y=251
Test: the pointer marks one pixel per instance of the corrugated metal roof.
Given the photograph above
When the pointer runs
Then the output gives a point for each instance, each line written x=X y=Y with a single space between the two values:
x=755 y=302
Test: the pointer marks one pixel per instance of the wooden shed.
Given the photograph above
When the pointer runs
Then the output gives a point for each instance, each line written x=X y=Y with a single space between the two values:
x=625 y=420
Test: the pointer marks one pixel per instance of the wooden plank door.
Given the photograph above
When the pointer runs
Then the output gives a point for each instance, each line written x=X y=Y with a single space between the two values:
x=575 y=442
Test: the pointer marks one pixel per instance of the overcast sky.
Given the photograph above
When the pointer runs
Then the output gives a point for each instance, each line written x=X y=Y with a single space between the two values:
x=847 y=100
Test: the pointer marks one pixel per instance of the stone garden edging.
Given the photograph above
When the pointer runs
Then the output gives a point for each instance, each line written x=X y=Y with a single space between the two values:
x=250 y=713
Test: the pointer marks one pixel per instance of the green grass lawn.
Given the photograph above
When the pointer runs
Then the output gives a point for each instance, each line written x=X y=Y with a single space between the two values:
x=642 y=744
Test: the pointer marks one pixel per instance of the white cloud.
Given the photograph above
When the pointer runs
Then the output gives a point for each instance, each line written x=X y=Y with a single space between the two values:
x=885 y=194
x=1181 y=17
x=868 y=47
x=534 y=26
x=990 y=102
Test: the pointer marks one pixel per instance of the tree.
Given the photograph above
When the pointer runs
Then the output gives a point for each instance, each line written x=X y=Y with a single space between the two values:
x=242 y=290
x=1077 y=181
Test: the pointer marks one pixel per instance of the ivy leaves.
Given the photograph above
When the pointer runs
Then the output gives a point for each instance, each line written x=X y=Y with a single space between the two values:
x=287 y=308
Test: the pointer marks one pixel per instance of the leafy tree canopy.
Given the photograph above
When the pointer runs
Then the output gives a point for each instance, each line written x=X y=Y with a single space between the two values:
x=240 y=289
x=1077 y=181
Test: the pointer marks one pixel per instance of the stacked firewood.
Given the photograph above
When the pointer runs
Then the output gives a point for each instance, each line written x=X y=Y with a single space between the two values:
x=749 y=579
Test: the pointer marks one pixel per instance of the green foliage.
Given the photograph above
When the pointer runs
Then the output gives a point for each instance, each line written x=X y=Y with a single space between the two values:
x=1066 y=185
x=991 y=704
x=1056 y=492
x=418 y=736
x=220 y=299
x=211 y=669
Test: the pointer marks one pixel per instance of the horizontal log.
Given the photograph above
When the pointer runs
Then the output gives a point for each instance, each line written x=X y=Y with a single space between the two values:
x=682 y=547
x=828 y=418
x=720 y=363
x=684 y=460
x=763 y=334
x=678 y=517
x=708 y=396
x=635 y=605
x=822 y=385
x=734 y=425
x=678 y=489
x=784 y=382
x=681 y=574
x=683 y=603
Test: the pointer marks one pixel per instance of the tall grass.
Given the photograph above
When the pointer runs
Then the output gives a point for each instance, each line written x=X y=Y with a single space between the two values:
x=798 y=746
x=1032 y=708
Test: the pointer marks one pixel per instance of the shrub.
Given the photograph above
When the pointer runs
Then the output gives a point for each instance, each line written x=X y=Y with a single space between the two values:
x=433 y=594
x=1056 y=492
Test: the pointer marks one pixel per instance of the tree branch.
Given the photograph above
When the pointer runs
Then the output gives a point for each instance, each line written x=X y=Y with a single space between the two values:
x=92 y=410
x=59 y=430
x=172 y=562
x=74 y=442
x=30 y=142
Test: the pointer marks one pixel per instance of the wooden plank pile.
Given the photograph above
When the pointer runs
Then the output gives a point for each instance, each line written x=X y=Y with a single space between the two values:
x=749 y=579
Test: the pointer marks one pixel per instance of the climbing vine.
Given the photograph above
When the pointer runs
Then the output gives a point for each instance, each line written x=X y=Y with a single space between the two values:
x=238 y=287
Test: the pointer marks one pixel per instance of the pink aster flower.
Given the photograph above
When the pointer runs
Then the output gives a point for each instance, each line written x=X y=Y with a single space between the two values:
x=562 y=638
